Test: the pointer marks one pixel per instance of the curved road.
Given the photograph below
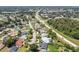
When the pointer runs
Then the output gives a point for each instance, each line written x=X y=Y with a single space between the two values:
x=60 y=36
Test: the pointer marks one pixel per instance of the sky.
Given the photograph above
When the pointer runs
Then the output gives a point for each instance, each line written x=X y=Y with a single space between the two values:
x=39 y=2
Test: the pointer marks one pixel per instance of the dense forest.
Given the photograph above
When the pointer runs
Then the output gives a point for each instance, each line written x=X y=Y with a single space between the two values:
x=68 y=27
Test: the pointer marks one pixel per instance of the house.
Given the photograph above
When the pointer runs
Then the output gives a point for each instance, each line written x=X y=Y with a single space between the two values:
x=43 y=45
x=5 y=39
x=23 y=37
x=46 y=39
x=24 y=33
x=13 y=49
x=19 y=42
x=42 y=31
x=14 y=32
x=44 y=35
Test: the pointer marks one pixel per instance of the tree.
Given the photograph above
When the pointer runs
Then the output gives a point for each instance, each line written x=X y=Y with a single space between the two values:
x=70 y=47
x=66 y=26
x=30 y=31
x=76 y=35
x=29 y=36
x=38 y=36
x=33 y=48
x=51 y=34
x=10 y=41
x=19 y=33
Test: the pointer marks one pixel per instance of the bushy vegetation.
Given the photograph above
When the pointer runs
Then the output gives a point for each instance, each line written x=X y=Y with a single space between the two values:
x=10 y=41
x=66 y=26
x=76 y=35
x=52 y=34
x=33 y=48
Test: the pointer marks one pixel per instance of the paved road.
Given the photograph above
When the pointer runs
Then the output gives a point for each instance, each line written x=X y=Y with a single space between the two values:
x=33 y=40
x=60 y=36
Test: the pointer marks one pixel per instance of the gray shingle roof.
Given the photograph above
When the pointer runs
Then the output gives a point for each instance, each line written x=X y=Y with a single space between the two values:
x=13 y=49
x=43 y=45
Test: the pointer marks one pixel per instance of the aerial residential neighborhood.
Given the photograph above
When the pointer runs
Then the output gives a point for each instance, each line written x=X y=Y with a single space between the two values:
x=39 y=29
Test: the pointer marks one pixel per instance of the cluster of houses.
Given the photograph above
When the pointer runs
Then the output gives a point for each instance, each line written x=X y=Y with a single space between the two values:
x=44 y=42
x=19 y=40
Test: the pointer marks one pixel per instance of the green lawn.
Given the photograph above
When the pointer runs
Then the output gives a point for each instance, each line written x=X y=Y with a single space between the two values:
x=22 y=49
x=52 y=48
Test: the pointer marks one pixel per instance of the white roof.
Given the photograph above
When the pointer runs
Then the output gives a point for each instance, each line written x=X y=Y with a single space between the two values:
x=46 y=40
x=23 y=37
x=43 y=34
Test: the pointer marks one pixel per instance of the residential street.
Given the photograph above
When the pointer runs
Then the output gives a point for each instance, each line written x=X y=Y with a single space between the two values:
x=34 y=34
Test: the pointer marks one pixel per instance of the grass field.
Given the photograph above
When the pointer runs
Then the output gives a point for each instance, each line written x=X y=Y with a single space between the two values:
x=52 y=48
x=22 y=49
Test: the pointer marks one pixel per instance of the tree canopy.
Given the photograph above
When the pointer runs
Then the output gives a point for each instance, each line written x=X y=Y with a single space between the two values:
x=66 y=26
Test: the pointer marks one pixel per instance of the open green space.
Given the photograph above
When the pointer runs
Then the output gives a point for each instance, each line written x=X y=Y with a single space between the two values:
x=52 y=48
x=22 y=49
x=75 y=41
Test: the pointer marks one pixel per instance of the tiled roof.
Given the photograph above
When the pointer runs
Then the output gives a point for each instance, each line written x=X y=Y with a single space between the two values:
x=19 y=42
